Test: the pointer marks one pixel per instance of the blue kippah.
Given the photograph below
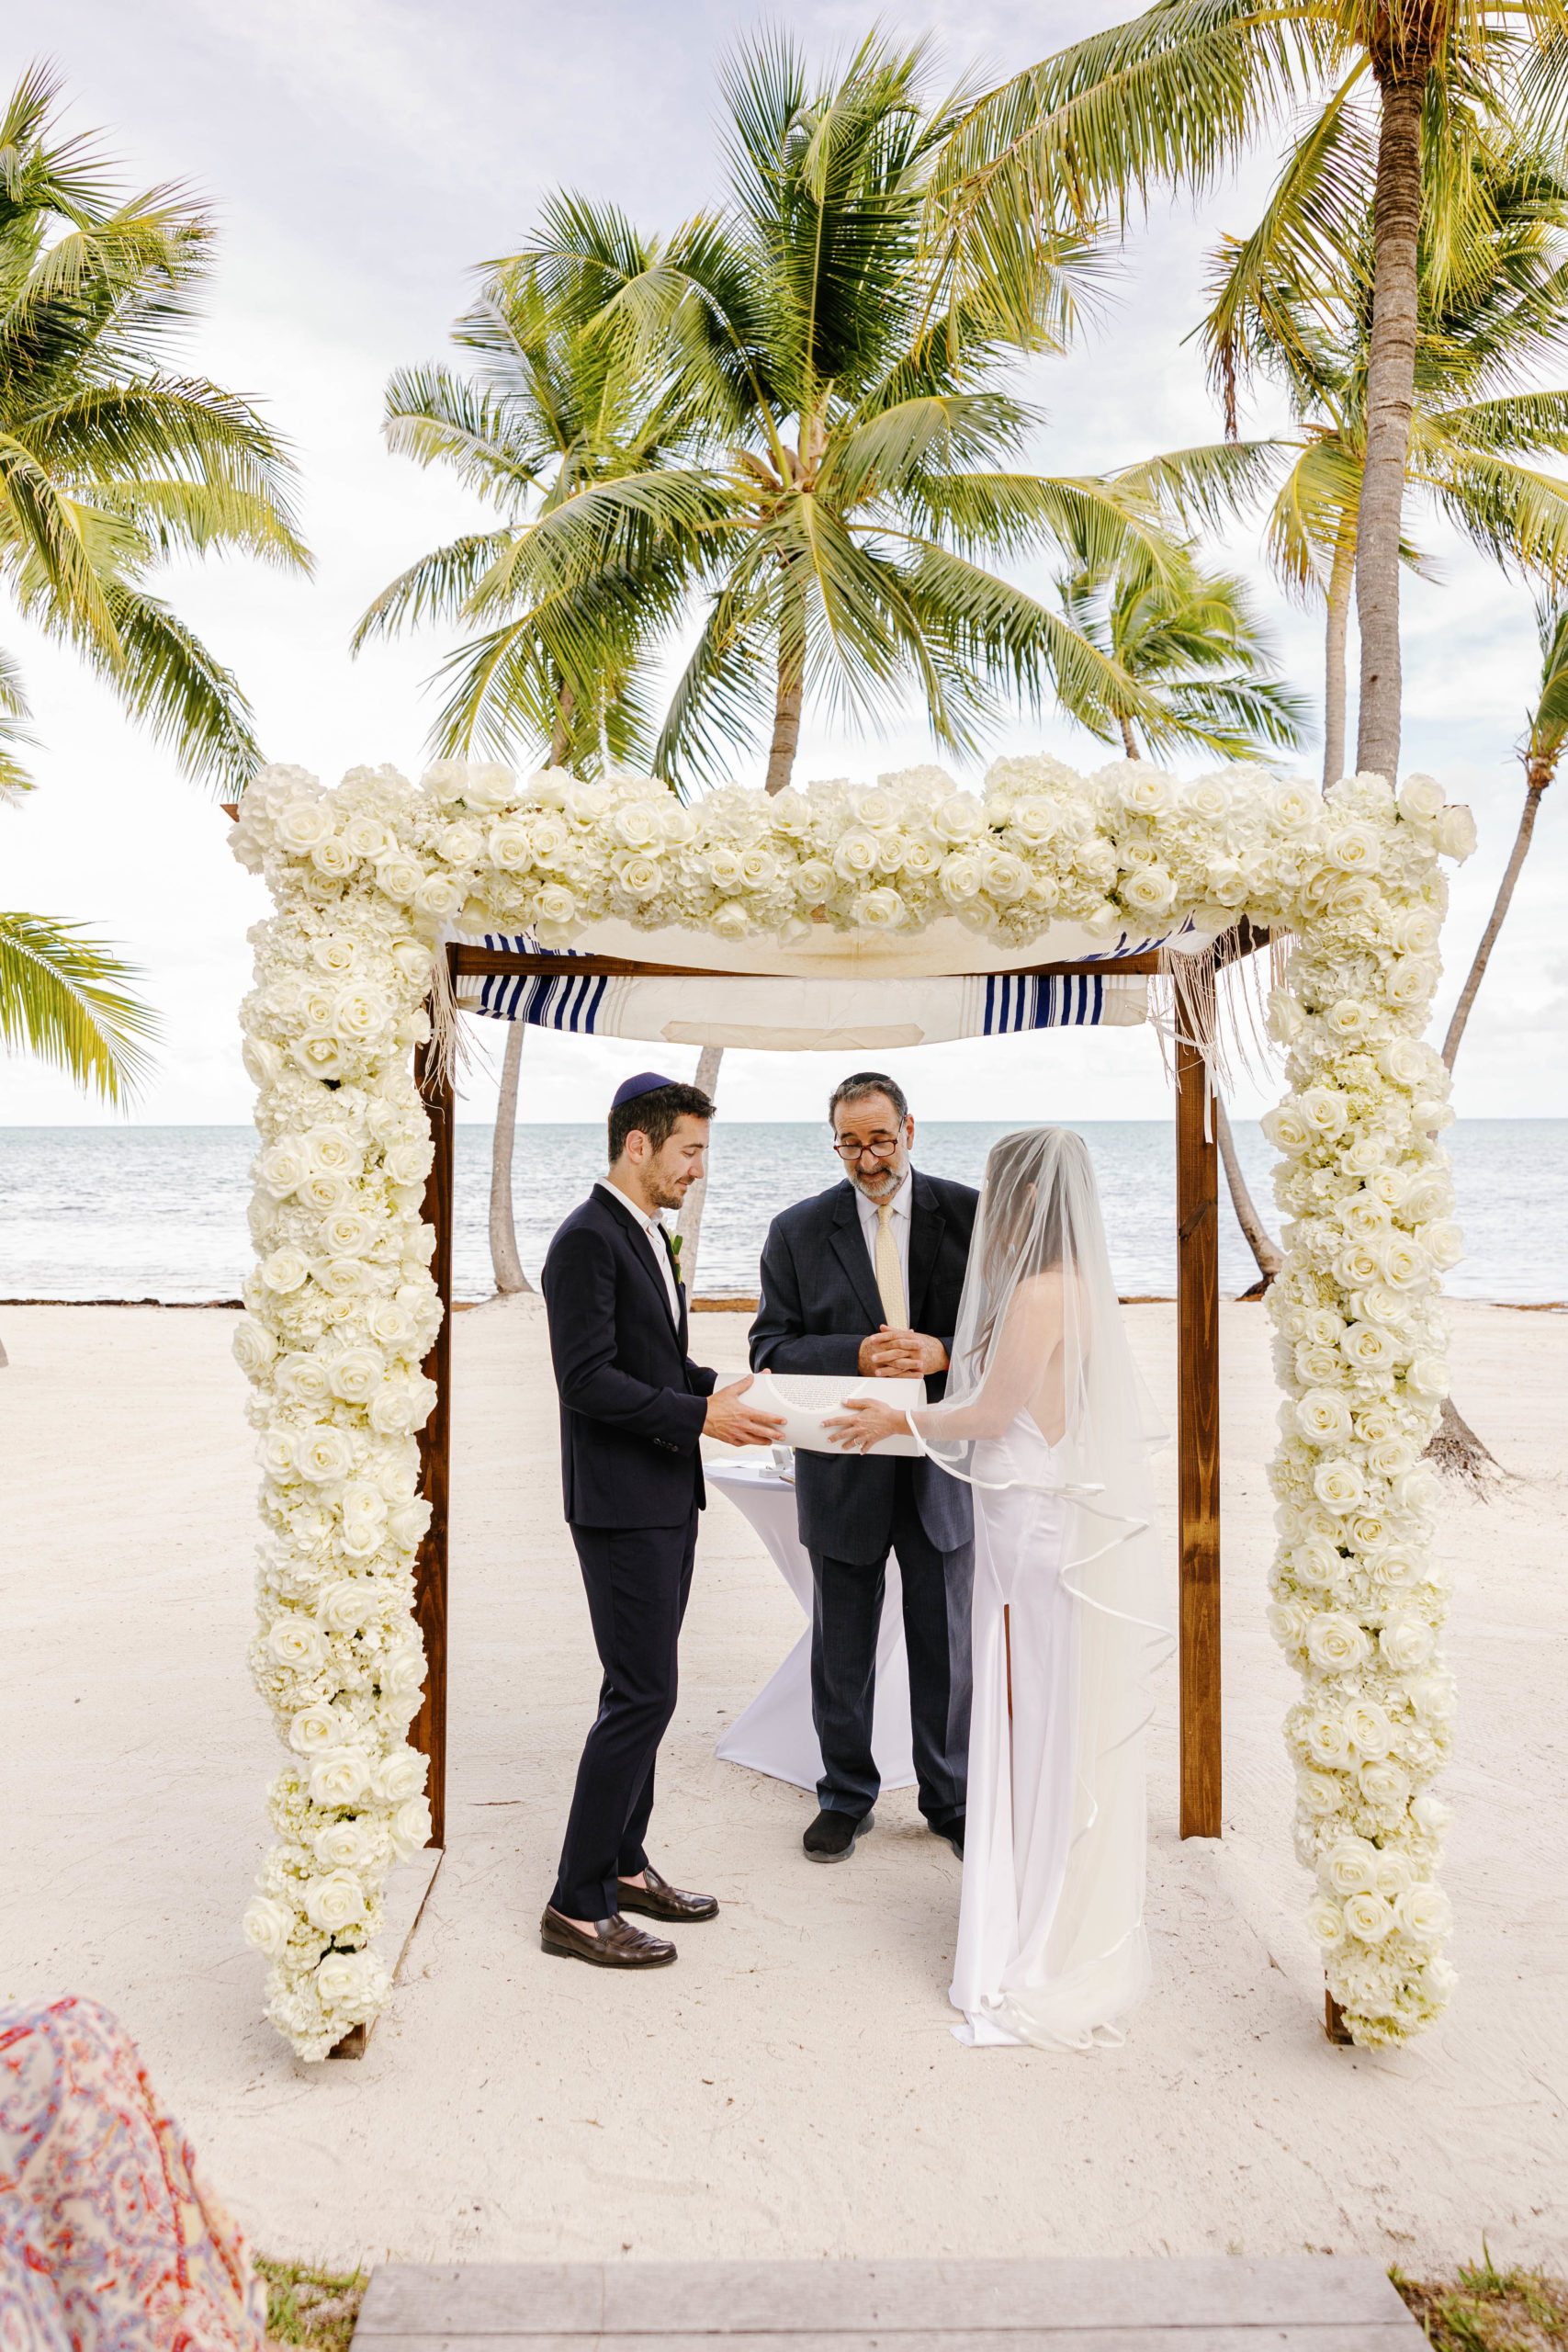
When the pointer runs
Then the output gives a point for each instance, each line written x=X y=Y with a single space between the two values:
x=647 y=1081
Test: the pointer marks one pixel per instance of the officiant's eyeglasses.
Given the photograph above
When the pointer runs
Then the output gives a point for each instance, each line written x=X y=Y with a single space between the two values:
x=881 y=1147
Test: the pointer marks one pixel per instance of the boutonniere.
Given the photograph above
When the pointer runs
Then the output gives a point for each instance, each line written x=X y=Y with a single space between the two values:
x=675 y=1241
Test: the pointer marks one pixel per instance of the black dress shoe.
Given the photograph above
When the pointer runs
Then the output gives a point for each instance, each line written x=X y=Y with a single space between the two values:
x=952 y=1833
x=833 y=1835
x=659 y=1900
x=615 y=1943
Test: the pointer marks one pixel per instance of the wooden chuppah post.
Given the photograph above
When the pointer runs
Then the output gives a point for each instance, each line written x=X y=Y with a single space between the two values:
x=428 y=1731
x=1198 y=1432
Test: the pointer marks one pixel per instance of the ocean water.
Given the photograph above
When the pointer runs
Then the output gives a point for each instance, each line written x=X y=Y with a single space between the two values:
x=159 y=1213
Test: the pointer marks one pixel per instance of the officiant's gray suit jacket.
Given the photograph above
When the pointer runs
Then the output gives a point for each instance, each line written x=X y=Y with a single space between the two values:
x=819 y=1300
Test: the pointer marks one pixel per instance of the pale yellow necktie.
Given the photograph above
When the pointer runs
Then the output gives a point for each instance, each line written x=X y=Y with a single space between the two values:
x=890 y=1273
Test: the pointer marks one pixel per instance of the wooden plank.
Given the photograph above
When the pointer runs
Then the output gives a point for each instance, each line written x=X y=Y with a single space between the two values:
x=428 y=1731
x=500 y=963
x=1363 y=2336
x=789 y=2299
x=1198 y=1437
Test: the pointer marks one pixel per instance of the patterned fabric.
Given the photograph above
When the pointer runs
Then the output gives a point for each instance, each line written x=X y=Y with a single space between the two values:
x=110 y=2238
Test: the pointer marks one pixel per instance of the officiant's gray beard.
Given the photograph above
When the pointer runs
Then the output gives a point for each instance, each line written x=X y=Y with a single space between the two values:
x=888 y=1178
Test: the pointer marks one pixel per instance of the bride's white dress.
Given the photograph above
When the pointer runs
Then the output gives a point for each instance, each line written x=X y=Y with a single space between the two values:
x=1051 y=1942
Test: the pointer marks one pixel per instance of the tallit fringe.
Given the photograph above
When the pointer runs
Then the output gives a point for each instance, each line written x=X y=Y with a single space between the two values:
x=447 y=1054
x=1219 y=1010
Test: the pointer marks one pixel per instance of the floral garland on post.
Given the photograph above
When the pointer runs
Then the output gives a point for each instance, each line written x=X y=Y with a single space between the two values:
x=342 y=1309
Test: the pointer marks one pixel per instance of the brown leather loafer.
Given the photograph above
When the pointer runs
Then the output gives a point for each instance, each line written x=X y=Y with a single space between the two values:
x=615 y=1943
x=659 y=1900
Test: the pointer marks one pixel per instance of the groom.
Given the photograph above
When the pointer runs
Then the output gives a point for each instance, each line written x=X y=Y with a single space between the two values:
x=632 y=1407
x=867 y=1278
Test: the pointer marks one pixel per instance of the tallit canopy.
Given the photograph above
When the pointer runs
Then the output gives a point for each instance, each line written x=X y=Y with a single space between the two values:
x=783 y=1014
x=943 y=949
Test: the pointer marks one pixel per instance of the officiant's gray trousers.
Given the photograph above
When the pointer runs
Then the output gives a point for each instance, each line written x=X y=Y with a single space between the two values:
x=846 y=1613
x=637 y=1580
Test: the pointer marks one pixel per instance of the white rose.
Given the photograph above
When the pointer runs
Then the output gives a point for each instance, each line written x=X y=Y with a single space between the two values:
x=1325 y=1109
x=1424 y=1914
x=1368 y=1917
x=268 y=1925
x=1403 y=1061
x=1430 y=1813
x=1288 y=1129
x=509 y=844
x=1456 y=832
x=731 y=922
x=920 y=858
x=344 y=1605
x=1149 y=795
x=1350 y=1866
x=302 y=1380
x=1326 y=1741
x=401 y=1671
x=1427 y=1376
x=1147 y=891
x=1421 y=799
x=1322 y=1417
x=358 y=1011
x=314 y=1730
x=1383 y=1784
x=1396 y=1875
x=1433 y=1696
x=342 y=1277
x=1388 y=1457
x=399 y=1776
x=1338 y=1484
x=1294 y=807
x=958 y=819
x=348 y=1234
x=333 y=1901
x=880 y=910
x=1368 y=1728
x=1335 y=1643
x=437 y=898
x=322 y=1454
x=1347 y=1018
x=556 y=905
x=1405 y=1263
x=1003 y=877
x=334 y=858
x=1354 y=848
x=274 y=1452
x=329 y=1153
x=1409 y=978
x=344 y=1977
x=300 y=825
x=399 y=877
x=410 y=1523
x=760 y=869
x=389 y=1324
x=1443 y=1242
x=640 y=877
x=1320 y=1793
x=1368 y=1347
x=1415 y=930
x=724 y=866
x=284 y=1271
x=409 y=1163
x=1325 y=1922
x=296 y=1643
x=252 y=1347
x=325 y=1190
x=340 y=1776
x=283 y=1167
x=343 y=1845
x=319 y=1053
x=410 y=1828
x=356 y=1375
x=1314 y=1565
x=263 y=1061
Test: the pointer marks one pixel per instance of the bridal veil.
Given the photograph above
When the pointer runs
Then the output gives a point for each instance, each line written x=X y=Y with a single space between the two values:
x=1046 y=1416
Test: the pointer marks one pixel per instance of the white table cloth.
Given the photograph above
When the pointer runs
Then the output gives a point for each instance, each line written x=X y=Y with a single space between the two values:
x=776 y=1735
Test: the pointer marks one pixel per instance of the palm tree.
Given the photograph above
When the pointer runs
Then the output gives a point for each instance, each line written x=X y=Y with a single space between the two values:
x=1192 y=640
x=1540 y=751
x=1175 y=94
x=1291 y=302
x=110 y=463
x=858 y=442
x=64 y=998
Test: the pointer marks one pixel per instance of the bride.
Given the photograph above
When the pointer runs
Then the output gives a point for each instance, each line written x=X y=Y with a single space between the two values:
x=1047 y=1420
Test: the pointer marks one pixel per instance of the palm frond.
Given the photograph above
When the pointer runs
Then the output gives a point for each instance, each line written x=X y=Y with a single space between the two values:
x=67 y=999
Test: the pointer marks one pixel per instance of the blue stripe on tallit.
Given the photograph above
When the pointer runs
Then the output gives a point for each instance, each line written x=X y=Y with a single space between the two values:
x=1016 y=1001
x=568 y=1004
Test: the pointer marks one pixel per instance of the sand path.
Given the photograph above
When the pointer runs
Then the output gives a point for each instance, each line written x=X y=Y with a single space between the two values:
x=791 y=2089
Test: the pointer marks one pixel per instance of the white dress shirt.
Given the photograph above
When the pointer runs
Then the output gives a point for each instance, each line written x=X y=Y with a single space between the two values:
x=654 y=1227
x=903 y=1203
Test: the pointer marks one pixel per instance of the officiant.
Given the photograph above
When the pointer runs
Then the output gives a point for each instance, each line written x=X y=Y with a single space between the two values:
x=865 y=1278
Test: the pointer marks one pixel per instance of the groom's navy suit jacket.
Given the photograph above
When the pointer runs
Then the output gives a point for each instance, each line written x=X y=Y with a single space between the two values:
x=819 y=1300
x=632 y=1402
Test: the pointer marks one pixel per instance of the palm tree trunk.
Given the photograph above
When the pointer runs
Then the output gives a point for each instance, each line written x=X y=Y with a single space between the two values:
x=510 y=1277
x=1390 y=396
x=689 y=1224
x=1129 y=740
x=786 y=722
x=1340 y=580
x=1534 y=788
x=1270 y=1260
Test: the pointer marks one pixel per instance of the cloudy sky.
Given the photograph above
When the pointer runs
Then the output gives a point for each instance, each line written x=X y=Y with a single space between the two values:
x=362 y=157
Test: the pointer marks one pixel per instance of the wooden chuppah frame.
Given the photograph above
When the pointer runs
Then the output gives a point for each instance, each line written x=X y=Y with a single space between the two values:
x=1198 y=1357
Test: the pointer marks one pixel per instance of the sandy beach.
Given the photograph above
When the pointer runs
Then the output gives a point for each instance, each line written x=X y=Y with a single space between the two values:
x=791 y=2089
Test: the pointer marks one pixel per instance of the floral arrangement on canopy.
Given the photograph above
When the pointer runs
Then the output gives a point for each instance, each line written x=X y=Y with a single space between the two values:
x=342 y=1309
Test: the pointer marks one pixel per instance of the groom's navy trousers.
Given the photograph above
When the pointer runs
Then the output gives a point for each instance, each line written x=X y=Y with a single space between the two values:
x=819 y=1300
x=632 y=1407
